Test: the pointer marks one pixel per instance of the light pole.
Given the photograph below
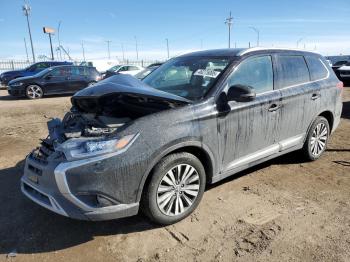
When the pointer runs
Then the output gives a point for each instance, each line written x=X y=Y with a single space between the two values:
x=26 y=10
x=109 y=53
x=123 y=52
x=58 y=39
x=25 y=45
x=257 y=33
x=299 y=40
x=229 y=23
x=167 y=46
x=137 y=50
x=82 y=46
x=49 y=31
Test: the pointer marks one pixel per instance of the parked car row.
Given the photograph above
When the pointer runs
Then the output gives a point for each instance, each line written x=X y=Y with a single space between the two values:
x=31 y=70
x=53 y=77
x=54 y=80
x=341 y=67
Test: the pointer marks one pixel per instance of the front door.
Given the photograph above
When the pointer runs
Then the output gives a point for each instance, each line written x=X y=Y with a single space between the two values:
x=248 y=131
x=78 y=78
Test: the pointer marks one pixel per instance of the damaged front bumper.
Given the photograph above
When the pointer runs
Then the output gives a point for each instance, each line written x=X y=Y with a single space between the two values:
x=45 y=183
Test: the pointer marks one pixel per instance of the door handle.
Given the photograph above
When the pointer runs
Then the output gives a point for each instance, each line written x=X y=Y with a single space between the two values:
x=315 y=96
x=274 y=107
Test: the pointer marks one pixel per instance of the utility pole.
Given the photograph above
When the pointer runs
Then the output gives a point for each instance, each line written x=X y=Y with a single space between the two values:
x=82 y=46
x=258 y=34
x=123 y=52
x=167 y=46
x=229 y=23
x=109 y=53
x=25 y=45
x=26 y=9
x=137 y=50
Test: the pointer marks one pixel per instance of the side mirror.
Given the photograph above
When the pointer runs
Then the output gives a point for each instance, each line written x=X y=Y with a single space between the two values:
x=49 y=76
x=241 y=93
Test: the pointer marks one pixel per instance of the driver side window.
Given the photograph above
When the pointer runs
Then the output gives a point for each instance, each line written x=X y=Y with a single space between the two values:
x=255 y=72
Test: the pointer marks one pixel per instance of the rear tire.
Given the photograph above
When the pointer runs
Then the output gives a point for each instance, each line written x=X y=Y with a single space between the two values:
x=317 y=138
x=175 y=189
x=34 y=92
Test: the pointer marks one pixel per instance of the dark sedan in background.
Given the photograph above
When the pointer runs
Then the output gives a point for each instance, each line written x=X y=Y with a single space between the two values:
x=31 y=70
x=54 y=80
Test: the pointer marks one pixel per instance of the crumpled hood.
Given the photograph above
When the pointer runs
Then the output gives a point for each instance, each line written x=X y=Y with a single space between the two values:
x=125 y=92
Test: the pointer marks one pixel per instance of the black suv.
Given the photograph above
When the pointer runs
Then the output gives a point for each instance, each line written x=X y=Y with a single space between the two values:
x=54 y=80
x=193 y=121
x=33 y=69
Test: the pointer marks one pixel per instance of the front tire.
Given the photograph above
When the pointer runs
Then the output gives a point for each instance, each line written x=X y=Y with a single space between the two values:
x=175 y=189
x=34 y=92
x=317 y=138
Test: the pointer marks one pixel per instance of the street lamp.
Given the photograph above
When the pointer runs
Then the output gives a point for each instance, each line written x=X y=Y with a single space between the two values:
x=26 y=10
x=257 y=33
x=299 y=40
x=167 y=46
x=50 y=31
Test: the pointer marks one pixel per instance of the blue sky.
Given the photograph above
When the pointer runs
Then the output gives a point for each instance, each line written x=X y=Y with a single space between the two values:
x=321 y=25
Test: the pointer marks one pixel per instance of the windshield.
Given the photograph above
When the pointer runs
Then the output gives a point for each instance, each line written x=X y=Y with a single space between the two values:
x=114 y=68
x=188 y=77
x=41 y=73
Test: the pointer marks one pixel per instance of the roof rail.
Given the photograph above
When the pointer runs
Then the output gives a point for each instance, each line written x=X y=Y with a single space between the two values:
x=248 y=50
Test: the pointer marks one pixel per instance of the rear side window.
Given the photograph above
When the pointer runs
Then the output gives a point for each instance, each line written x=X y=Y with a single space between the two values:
x=133 y=68
x=292 y=70
x=317 y=69
x=255 y=72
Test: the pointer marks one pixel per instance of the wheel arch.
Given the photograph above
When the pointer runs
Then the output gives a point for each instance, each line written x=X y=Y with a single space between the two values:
x=330 y=118
x=326 y=114
x=198 y=149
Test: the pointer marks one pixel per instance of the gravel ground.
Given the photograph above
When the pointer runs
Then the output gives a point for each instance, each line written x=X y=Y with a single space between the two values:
x=283 y=210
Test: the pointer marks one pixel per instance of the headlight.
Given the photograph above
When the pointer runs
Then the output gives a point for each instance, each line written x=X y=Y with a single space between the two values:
x=17 y=84
x=78 y=148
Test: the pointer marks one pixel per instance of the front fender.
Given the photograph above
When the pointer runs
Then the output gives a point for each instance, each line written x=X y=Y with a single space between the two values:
x=171 y=147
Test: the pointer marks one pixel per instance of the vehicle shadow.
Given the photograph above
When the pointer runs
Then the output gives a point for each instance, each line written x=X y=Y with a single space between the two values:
x=28 y=228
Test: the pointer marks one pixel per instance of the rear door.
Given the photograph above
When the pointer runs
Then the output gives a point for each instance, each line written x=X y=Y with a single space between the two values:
x=57 y=81
x=300 y=99
x=247 y=133
x=78 y=78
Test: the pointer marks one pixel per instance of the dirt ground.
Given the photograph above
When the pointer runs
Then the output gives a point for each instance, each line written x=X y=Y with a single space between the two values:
x=282 y=210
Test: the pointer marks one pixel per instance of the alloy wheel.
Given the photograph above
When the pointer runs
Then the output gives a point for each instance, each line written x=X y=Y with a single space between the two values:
x=319 y=139
x=34 y=91
x=178 y=190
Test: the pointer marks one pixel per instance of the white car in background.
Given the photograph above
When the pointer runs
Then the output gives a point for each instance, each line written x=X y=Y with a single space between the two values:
x=123 y=69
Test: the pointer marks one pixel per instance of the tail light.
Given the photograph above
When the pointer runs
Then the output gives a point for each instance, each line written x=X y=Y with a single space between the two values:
x=340 y=85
